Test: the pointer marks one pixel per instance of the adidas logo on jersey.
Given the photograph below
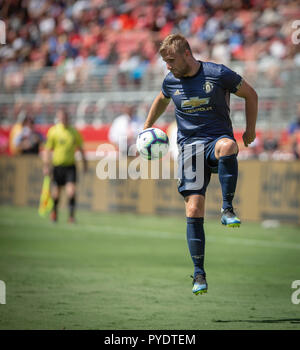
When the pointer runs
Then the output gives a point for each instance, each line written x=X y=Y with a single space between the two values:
x=177 y=92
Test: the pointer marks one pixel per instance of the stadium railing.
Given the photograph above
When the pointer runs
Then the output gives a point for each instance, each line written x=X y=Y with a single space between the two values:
x=94 y=95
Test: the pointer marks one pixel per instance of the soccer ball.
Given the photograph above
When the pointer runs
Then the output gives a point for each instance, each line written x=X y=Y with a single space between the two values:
x=152 y=143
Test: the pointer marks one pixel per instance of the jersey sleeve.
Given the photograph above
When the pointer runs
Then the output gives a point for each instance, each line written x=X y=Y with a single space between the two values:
x=230 y=80
x=164 y=89
x=50 y=139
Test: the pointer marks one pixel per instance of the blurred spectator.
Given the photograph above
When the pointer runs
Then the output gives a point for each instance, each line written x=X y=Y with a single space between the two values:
x=28 y=141
x=3 y=142
x=294 y=134
x=272 y=148
x=270 y=142
x=296 y=144
x=295 y=124
x=102 y=45
x=81 y=35
x=15 y=131
x=125 y=129
x=255 y=148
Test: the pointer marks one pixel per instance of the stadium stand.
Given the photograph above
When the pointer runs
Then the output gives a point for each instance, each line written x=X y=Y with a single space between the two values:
x=92 y=55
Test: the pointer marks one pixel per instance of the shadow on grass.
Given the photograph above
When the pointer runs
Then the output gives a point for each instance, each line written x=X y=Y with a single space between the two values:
x=281 y=320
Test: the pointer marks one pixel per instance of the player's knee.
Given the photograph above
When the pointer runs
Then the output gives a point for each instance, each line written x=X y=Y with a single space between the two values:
x=71 y=190
x=194 y=206
x=227 y=148
x=193 y=211
x=55 y=193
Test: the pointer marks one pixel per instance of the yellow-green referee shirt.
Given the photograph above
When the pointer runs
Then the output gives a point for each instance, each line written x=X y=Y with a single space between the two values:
x=63 y=141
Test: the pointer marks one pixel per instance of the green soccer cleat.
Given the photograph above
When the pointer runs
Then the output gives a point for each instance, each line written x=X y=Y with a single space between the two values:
x=199 y=284
x=229 y=218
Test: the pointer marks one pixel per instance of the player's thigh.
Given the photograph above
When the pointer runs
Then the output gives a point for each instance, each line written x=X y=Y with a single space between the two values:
x=225 y=147
x=194 y=206
x=55 y=191
x=70 y=189
x=71 y=177
x=56 y=182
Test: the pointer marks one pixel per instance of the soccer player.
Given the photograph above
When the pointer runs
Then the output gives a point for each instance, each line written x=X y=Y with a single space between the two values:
x=63 y=140
x=200 y=92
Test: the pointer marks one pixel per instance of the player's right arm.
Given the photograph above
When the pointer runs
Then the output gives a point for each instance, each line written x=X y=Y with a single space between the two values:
x=158 y=107
x=247 y=92
x=47 y=152
x=79 y=142
x=46 y=161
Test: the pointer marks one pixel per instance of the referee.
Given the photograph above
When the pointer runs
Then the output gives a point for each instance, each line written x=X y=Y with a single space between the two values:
x=63 y=140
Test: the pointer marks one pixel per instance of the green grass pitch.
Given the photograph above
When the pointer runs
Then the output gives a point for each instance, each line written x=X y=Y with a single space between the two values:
x=121 y=271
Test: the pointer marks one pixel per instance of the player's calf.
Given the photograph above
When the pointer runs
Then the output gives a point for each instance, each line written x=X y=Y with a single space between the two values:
x=228 y=174
x=53 y=214
x=72 y=204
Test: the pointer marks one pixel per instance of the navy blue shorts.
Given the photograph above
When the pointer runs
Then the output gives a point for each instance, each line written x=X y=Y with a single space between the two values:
x=196 y=164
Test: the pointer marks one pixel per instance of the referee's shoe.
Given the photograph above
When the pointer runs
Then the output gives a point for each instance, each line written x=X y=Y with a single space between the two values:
x=229 y=218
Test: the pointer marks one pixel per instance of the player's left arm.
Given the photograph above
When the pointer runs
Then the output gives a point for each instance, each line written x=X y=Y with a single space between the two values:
x=79 y=141
x=247 y=92
x=83 y=157
x=46 y=155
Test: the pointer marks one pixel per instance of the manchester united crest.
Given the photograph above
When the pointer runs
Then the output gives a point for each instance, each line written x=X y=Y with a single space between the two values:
x=207 y=87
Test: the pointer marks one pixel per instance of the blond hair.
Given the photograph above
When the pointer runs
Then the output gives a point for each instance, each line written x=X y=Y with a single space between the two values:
x=174 y=43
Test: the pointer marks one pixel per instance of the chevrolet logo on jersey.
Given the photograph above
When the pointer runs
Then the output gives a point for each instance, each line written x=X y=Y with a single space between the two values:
x=194 y=102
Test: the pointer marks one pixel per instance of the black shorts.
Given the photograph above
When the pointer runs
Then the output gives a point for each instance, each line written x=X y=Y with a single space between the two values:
x=192 y=180
x=64 y=174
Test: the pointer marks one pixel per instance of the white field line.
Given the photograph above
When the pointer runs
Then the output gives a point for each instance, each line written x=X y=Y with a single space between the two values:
x=137 y=232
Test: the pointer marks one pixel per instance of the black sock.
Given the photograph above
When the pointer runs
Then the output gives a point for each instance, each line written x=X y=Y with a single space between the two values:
x=55 y=201
x=196 y=243
x=228 y=174
x=72 y=203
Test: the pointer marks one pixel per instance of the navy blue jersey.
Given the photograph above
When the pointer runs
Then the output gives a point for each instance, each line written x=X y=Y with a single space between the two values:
x=202 y=101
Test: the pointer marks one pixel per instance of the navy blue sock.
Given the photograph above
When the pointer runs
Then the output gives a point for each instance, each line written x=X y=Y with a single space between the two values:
x=196 y=243
x=228 y=174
